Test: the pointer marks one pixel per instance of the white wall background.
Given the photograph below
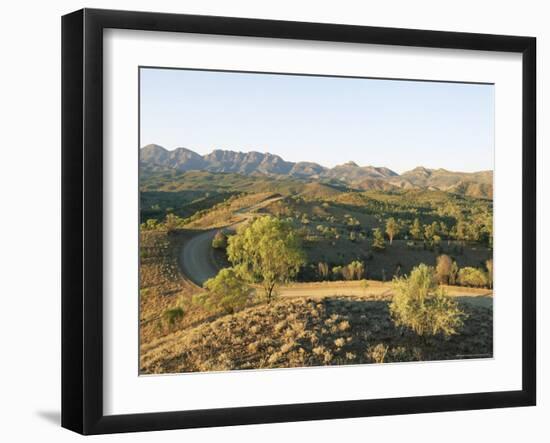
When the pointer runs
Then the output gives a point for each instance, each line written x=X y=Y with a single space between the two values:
x=30 y=218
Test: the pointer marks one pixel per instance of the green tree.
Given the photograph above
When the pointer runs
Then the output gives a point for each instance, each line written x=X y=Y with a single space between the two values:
x=219 y=241
x=416 y=230
x=378 y=242
x=423 y=306
x=267 y=252
x=227 y=291
x=392 y=228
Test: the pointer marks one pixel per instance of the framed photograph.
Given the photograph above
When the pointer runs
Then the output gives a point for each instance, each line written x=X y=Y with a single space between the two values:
x=268 y=221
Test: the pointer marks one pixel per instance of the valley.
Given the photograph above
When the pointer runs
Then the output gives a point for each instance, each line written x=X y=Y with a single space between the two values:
x=359 y=228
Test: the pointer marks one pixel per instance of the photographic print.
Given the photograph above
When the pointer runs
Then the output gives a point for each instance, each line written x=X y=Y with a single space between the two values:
x=292 y=221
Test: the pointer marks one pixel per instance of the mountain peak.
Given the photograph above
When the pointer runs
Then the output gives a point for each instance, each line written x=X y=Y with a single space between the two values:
x=422 y=169
x=419 y=171
x=153 y=154
x=153 y=148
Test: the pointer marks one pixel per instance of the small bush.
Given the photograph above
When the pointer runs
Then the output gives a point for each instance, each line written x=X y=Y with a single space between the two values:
x=377 y=353
x=173 y=316
x=339 y=342
x=337 y=272
x=378 y=242
x=419 y=304
x=219 y=241
x=319 y=350
x=472 y=277
x=344 y=325
x=227 y=292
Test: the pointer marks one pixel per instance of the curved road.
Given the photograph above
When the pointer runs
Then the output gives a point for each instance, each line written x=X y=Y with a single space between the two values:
x=196 y=259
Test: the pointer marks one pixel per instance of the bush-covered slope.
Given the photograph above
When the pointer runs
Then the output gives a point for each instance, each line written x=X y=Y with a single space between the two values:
x=306 y=332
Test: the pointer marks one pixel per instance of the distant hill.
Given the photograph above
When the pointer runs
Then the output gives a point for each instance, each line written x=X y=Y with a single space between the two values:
x=181 y=159
x=473 y=184
x=250 y=163
x=245 y=163
x=155 y=158
x=443 y=178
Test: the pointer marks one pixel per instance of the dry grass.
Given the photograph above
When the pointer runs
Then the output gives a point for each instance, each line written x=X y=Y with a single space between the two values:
x=230 y=212
x=165 y=296
x=305 y=332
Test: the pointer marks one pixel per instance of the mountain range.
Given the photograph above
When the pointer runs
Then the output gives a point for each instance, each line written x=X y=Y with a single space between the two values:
x=155 y=158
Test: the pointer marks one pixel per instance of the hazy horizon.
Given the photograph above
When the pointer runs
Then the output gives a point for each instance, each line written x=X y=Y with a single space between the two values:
x=398 y=124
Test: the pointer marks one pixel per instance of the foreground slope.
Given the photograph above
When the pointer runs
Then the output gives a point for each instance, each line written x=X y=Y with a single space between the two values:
x=305 y=332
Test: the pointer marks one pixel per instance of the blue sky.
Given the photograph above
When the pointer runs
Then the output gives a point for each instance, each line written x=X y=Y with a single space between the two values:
x=328 y=120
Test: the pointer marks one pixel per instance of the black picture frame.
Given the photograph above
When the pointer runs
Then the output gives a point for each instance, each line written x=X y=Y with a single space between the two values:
x=82 y=215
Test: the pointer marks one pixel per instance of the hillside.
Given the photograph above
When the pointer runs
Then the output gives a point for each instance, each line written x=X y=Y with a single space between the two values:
x=155 y=157
x=307 y=332
x=155 y=160
x=475 y=184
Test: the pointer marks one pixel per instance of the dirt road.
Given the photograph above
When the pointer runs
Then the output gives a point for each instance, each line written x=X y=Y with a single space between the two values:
x=196 y=260
x=480 y=297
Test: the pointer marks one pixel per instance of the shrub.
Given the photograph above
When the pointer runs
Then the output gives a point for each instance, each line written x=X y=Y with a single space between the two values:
x=339 y=342
x=323 y=270
x=419 y=304
x=173 y=316
x=344 y=325
x=337 y=271
x=150 y=225
x=172 y=222
x=472 y=277
x=378 y=242
x=377 y=353
x=353 y=271
x=219 y=241
x=227 y=291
